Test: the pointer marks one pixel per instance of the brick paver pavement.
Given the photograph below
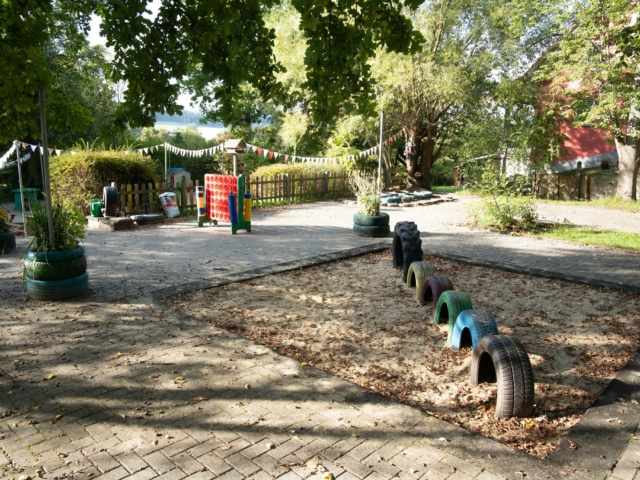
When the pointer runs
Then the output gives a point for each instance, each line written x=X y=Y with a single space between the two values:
x=119 y=385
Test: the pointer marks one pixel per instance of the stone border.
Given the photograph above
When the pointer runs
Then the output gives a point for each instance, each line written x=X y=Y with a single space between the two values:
x=582 y=454
x=536 y=272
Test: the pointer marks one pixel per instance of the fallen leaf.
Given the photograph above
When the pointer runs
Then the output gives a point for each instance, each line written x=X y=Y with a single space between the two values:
x=49 y=377
x=304 y=364
x=56 y=418
x=179 y=378
x=225 y=447
x=202 y=399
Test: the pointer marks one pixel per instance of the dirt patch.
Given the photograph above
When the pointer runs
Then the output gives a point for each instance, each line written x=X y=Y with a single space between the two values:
x=357 y=320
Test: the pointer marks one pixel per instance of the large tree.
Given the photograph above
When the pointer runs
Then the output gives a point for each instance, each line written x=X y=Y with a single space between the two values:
x=594 y=79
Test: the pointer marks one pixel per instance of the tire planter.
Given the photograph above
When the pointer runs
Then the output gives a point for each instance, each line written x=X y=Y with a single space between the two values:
x=417 y=274
x=470 y=327
x=503 y=359
x=407 y=248
x=371 y=231
x=57 y=289
x=407 y=198
x=423 y=195
x=391 y=200
x=371 y=220
x=449 y=306
x=7 y=242
x=110 y=201
x=431 y=290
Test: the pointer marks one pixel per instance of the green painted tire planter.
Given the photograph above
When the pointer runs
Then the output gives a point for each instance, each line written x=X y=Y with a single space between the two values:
x=60 y=270
x=49 y=257
x=7 y=242
x=371 y=220
x=57 y=289
x=371 y=231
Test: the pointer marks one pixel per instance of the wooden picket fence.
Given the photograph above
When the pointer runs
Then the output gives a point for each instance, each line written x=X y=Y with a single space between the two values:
x=273 y=189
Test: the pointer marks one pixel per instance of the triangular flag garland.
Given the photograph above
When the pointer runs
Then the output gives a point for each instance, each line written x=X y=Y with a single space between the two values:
x=5 y=163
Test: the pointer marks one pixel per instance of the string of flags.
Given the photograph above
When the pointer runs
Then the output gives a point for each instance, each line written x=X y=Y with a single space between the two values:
x=264 y=152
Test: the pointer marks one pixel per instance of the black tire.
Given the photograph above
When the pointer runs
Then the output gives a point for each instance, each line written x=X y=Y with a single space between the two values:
x=431 y=290
x=470 y=327
x=451 y=304
x=7 y=242
x=60 y=270
x=371 y=231
x=396 y=245
x=110 y=201
x=371 y=220
x=417 y=274
x=410 y=244
x=503 y=359
x=57 y=289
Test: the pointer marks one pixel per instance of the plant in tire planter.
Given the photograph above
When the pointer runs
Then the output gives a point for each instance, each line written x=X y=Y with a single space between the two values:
x=368 y=221
x=7 y=237
x=56 y=269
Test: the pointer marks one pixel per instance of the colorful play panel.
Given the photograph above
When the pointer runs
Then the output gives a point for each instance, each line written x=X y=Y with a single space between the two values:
x=224 y=199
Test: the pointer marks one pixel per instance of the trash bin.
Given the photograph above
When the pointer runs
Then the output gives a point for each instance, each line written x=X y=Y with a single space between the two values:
x=169 y=204
x=30 y=195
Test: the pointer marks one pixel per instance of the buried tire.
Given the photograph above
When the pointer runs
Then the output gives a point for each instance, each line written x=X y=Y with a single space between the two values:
x=371 y=231
x=417 y=274
x=57 y=289
x=449 y=306
x=432 y=288
x=396 y=246
x=407 y=248
x=470 y=327
x=371 y=220
x=503 y=359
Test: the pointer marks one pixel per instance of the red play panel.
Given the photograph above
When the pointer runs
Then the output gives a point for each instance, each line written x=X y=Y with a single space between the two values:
x=216 y=193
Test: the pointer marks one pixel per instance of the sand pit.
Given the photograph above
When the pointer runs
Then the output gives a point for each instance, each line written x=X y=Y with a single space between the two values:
x=357 y=320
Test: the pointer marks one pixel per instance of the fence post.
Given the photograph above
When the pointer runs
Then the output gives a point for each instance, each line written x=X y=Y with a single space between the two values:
x=183 y=194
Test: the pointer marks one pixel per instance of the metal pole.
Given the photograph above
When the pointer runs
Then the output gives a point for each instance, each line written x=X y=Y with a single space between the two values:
x=41 y=167
x=166 y=170
x=24 y=217
x=46 y=181
x=381 y=144
x=235 y=165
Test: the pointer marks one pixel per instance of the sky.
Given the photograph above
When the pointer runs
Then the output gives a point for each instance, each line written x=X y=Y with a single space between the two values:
x=96 y=39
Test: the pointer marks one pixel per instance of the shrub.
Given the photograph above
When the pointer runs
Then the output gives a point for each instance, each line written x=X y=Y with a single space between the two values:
x=4 y=218
x=297 y=169
x=76 y=179
x=506 y=213
x=68 y=228
x=366 y=189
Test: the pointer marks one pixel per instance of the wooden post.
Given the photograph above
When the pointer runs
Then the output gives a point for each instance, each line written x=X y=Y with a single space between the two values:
x=183 y=194
x=578 y=180
x=136 y=198
x=588 y=188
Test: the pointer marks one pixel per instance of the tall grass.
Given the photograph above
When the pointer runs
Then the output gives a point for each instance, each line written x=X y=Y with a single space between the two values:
x=68 y=228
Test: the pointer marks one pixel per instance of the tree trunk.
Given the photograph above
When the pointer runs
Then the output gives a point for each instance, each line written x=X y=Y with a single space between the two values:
x=628 y=164
x=419 y=172
x=426 y=161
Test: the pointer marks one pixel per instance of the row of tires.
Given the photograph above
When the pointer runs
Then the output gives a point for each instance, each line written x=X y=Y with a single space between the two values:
x=56 y=275
x=371 y=225
x=496 y=358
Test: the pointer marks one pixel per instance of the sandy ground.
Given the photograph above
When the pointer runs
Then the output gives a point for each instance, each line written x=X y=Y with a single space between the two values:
x=356 y=319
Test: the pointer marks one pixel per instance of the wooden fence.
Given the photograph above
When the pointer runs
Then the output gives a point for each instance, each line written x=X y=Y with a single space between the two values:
x=274 y=189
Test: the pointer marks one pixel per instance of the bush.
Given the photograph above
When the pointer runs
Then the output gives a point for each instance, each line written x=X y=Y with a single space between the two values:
x=68 y=228
x=368 y=193
x=297 y=169
x=508 y=213
x=76 y=179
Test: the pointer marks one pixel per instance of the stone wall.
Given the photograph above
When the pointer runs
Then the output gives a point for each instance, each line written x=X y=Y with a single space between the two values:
x=574 y=186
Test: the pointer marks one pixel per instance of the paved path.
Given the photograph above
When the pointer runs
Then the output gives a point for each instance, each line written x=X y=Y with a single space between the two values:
x=119 y=385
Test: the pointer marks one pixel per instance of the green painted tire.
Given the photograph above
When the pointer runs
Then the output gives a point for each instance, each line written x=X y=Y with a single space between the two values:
x=371 y=231
x=371 y=220
x=450 y=305
x=392 y=200
x=417 y=274
x=60 y=270
x=49 y=257
x=57 y=289
x=7 y=242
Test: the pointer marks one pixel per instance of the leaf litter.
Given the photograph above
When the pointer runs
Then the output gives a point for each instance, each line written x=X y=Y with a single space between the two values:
x=356 y=319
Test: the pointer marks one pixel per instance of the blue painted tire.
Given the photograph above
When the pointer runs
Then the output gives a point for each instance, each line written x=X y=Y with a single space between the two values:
x=45 y=290
x=450 y=304
x=49 y=257
x=470 y=327
x=423 y=195
x=7 y=242
x=392 y=200
x=407 y=198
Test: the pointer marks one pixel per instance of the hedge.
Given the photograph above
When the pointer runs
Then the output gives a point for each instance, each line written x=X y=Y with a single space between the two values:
x=297 y=168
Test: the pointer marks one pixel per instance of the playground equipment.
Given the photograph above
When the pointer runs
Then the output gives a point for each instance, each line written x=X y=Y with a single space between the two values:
x=496 y=358
x=224 y=199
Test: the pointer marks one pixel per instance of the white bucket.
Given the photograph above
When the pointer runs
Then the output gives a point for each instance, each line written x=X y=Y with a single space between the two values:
x=169 y=204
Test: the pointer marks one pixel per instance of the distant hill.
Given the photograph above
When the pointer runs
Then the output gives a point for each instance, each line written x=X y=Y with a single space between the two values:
x=186 y=118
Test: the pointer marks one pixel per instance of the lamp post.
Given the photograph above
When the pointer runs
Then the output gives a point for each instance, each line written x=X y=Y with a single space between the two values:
x=379 y=96
x=46 y=183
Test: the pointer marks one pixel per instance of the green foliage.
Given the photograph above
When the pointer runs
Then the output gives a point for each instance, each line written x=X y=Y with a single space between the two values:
x=68 y=228
x=294 y=126
x=4 y=218
x=368 y=193
x=76 y=179
x=591 y=236
x=504 y=207
x=297 y=169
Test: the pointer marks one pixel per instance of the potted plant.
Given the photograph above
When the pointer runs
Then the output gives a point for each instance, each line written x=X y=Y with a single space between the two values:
x=368 y=221
x=7 y=237
x=56 y=269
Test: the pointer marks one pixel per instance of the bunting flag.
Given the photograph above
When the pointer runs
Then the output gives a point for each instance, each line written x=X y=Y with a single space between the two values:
x=271 y=155
x=286 y=158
